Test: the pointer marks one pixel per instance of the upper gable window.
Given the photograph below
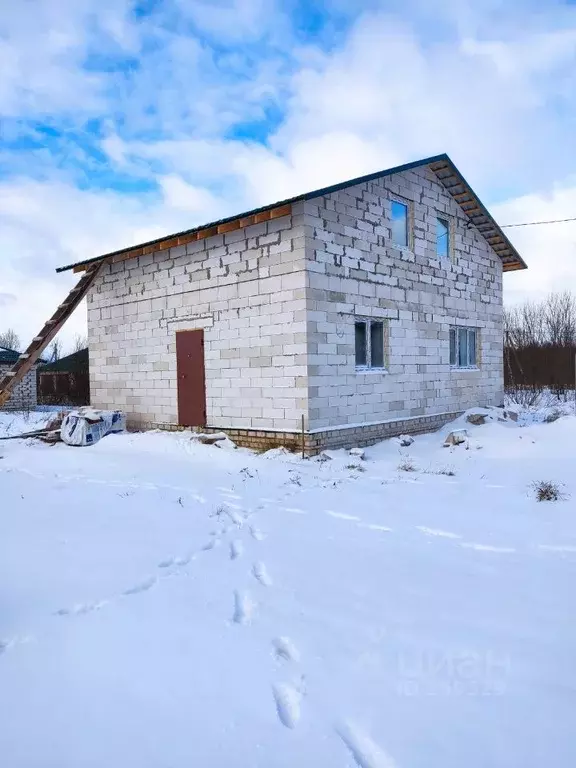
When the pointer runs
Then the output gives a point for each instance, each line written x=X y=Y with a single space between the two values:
x=442 y=238
x=399 y=216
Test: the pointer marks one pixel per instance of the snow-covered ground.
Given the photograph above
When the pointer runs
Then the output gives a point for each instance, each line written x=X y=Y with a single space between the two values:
x=166 y=604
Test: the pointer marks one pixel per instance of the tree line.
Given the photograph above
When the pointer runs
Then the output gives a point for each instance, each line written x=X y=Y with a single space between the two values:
x=540 y=348
x=550 y=322
x=9 y=339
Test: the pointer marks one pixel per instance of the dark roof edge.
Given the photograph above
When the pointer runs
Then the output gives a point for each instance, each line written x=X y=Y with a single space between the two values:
x=72 y=363
x=299 y=198
x=311 y=196
x=489 y=215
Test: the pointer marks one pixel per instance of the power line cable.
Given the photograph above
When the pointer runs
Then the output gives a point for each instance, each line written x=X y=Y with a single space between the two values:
x=537 y=223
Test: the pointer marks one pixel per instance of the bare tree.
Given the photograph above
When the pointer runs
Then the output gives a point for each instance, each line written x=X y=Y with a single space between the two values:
x=539 y=347
x=10 y=339
x=551 y=322
x=80 y=342
x=560 y=319
x=54 y=351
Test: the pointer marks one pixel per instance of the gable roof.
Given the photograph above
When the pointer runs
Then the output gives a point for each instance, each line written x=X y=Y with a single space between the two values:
x=76 y=362
x=441 y=165
x=10 y=356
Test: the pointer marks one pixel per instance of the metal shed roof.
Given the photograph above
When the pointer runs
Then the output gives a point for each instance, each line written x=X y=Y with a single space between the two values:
x=10 y=356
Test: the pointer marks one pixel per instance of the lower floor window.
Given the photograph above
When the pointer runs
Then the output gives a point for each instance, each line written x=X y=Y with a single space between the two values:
x=463 y=347
x=370 y=341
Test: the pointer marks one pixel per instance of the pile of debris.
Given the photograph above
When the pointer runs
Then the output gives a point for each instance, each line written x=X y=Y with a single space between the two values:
x=80 y=427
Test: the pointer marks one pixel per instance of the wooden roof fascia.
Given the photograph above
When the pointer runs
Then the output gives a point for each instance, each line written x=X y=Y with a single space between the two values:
x=201 y=234
x=441 y=165
x=475 y=211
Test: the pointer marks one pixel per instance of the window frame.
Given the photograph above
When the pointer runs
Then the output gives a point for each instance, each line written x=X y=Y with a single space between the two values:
x=368 y=322
x=446 y=221
x=454 y=337
x=406 y=204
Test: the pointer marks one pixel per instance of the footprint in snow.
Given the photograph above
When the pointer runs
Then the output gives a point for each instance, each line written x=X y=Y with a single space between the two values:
x=236 y=549
x=234 y=516
x=438 y=532
x=7 y=644
x=375 y=527
x=167 y=562
x=212 y=544
x=261 y=574
x=285 y=649
x=295 y=510
x=243 y=608
x=231 y=495
x=256 y=533
x=184 y=559
x=177 y=560
x=486 y=547
x=557 y=548
x=143 y=586
x=288 y=698
x=365 y=751
x=341 y=515
x=81 y=608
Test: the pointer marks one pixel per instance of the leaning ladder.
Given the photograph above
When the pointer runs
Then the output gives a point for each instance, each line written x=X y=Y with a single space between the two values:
x=50 y=329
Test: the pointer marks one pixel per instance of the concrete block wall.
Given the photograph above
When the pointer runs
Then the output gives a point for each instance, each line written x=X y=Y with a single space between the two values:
x=354 y=271
x=246 y=289
x=278 y=302
x=24 y=395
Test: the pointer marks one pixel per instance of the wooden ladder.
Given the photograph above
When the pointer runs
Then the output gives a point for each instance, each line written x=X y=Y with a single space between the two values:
x=50 y=329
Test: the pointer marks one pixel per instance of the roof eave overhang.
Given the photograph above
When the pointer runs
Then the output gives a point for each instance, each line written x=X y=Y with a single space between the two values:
x=477 y=214
x=445 y=170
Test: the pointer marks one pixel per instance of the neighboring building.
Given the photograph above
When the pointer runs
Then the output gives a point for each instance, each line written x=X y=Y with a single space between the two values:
x=23 y=396
x=65 y=381
x=370 y=308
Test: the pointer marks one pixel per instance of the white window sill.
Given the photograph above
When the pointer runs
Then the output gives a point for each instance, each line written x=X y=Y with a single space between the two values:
x=464 y=368
x=366 y=369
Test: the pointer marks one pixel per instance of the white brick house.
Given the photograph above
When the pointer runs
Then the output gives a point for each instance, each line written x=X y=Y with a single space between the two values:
x=366 y=309
x=24 y=395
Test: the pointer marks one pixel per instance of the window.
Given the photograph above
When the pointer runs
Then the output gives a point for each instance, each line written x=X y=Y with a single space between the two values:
x=442 y=238
x=370 y=338
x=361 y=345
x=463 y=347
x=399 y=217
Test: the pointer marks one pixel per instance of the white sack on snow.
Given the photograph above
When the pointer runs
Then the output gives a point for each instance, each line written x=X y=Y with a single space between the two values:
x=86 y=426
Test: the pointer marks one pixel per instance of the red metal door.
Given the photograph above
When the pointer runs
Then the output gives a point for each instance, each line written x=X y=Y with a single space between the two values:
x=191 y=379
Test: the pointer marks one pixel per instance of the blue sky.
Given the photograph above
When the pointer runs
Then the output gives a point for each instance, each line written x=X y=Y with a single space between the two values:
x=122 y=121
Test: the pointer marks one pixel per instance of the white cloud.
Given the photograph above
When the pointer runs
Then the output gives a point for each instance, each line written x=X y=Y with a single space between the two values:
x=231 y=20
x=395 y=87
x=550 y=251
x=197 y=202
x=44 y=225
x=42 y=48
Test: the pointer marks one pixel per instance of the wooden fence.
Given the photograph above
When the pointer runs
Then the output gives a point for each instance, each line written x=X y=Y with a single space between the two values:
x=63 y=388
x=550 y=367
